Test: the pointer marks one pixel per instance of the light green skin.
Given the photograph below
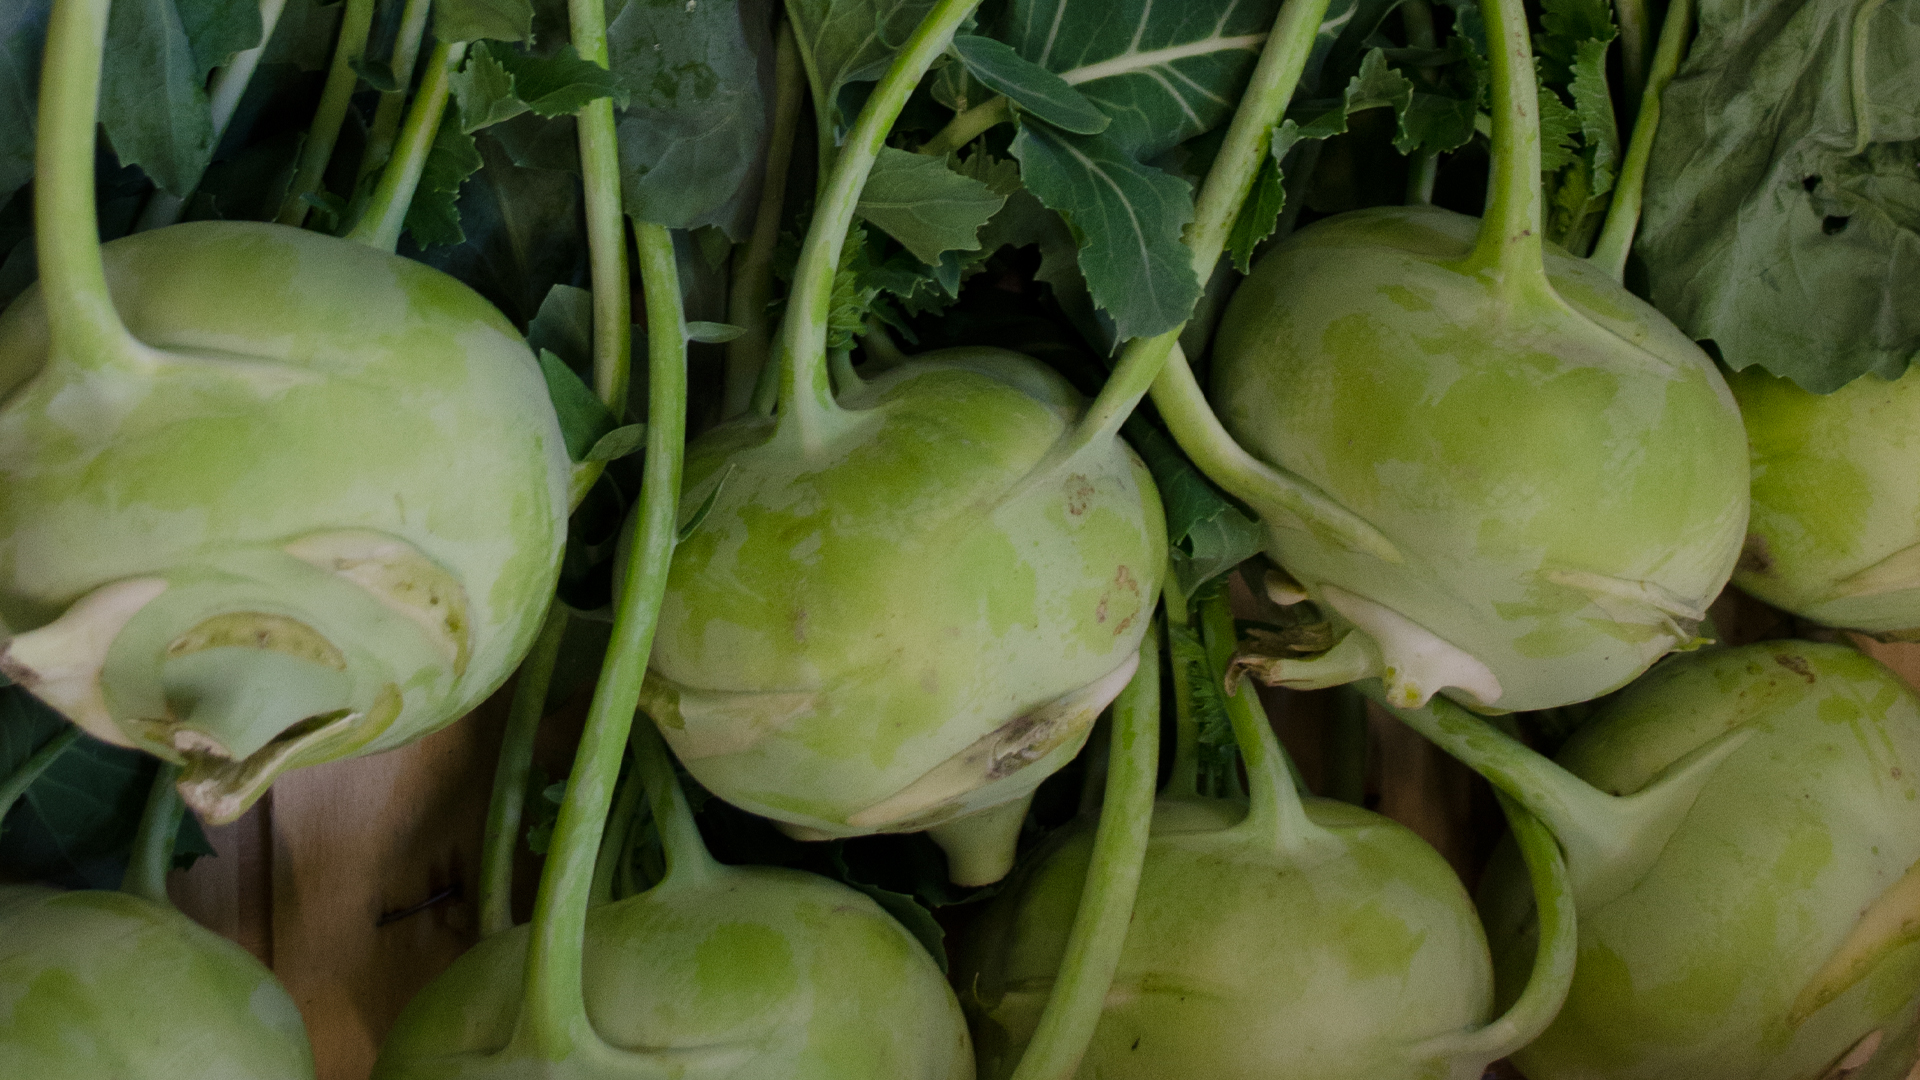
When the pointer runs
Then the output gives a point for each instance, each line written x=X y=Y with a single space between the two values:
x=1692 y=974
x=109 y=986
x=314 y=385
x=749 y=974
x=1491 y=445
x=1246 y=964
x=847 y=619
x=1835 y=535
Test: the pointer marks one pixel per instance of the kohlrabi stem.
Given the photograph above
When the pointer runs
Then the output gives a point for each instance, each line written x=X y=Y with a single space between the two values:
x=153 y=843
x=393 y=103
x=1553 y=959
x=615 y=847
x=1623 y=214
x=86 y=330
x=386 y=214
x=1636 y=24
x=1423 y=165
x=969 y=125
x=1113 y=878
x=507 y=807
x=1225 y=189
x=752 y=287
x=1185 y=779
x=1510 y=245
x=331 y=113
x=22 y=778
x=1275 y=814
x=686 y=854
x=223 y=97
x=554 y=1011
x=806 y=396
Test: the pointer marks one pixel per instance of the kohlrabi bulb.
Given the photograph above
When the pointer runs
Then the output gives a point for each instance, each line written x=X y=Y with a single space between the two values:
x=717 y=973
x=109 y=986
x=318 y=514
x=910 y=615
x=1561 y=473
x=1835 y=535
x=1355 y=956
x=1774 y=935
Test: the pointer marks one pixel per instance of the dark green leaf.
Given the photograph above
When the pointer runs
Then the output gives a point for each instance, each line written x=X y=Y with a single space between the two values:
x=523 y=231
x=433 y=217
x=533 y=142
x=693 y=136
x=584 y=418
x=925 y=205
x=851 y=41
x=471 y=20
x=1028 y=85
x=713 y=333
x=1559 y=126
x=618 y=443
x=151 y=98
x=1566 y=25
x=377 y=74
x=1164 y=72
x=1206 y=534
x=559 y=83
x=565 y=326
x=905 y=910
x=1128 y=219
x=216 y=29
x=1438 y=122
x=305 y=35
x=706 y=507
x=1599 y=131
x=1258 y=215
x=23 y=28
x=485 y=91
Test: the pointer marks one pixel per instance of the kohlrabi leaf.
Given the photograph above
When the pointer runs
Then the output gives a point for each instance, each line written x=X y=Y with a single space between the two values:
x=305 y=35
x=499 y=83
x=564 y=325
x=1028 y=85
x=694 y=133
x=522 y=232
x=1127 y=218
x=1378 y=86
x=216 y=29
x=23 y=30
x=713 y=333
x=1559 y=128
x=1259 y=215
x=1577 y=197
x=584 y=418
x=75 y=824
x=850 y=41
x=1782 y=216
x=433 y=218
x=618 y=443
x=1565 y=25
x=483 y=87
x=151 y=99
x=472 y=20
x=1206 y=534
x=1164 y=72
x=919 y=201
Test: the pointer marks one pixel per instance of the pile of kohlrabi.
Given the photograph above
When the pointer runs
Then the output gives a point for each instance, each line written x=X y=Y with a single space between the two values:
x=908 y=432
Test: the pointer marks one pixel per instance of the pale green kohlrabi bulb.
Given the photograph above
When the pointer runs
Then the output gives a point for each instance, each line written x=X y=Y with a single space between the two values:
x=1355 y=957
x=109 y=986
x=1835 y=535
x=908 y=620
x=321 y=517
x=717 y=973
x=1774 y=935
x=1561 y=473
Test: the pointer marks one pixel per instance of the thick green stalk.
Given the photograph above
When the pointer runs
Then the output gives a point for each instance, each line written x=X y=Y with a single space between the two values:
x=393 y=103
x=968 y=126
x=1423 y=165
x=553 y=1019
x=331 y=113
x=1228 y=183
x=386 y=214
x=85 y=328
x=1099 y=931
x=1276 y=818
x=1635 y=24
x=686 y=854
x=1510 y=246
x=223 y=97
x=1623 y=214
x=615 y=844
x=806 y=394
x=508 y=804
x=153 y=844
x=22 y=778
x=752 y=287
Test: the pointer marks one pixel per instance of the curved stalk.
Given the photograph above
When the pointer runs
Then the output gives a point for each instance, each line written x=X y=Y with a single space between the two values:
x=615 y=842
x=968 y=126
x=386 y=214
x=1623 y=213
x=1636 y=23
x=223 y=97
x=1510 y=245
x=331 y=113
x=153 y=844
x=1423 y=165
x=393 y=103
x=1099 y=931
x=553 y=1019
x=1282 y=59
x=22 y=778
x=1276 y=818
x=508 y=804
x=686 y=854
x=806 y=396
x=85 y=329
x=752 y=287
